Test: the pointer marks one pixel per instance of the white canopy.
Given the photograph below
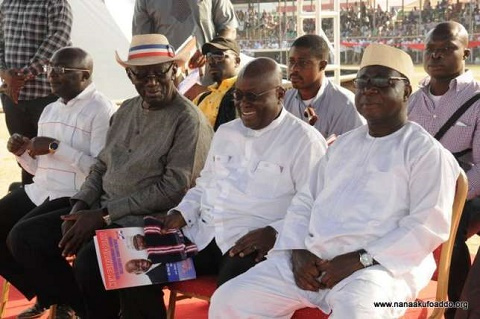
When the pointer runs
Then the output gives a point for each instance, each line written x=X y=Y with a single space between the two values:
x=95 y=30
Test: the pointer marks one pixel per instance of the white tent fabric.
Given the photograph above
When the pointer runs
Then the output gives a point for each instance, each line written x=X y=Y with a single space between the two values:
x=95 y=30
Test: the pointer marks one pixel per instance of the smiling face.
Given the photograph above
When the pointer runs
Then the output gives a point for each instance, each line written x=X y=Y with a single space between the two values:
x=383 y=108
x=258 y=93
x=138 y=266
x=154 y=83
x=139 y=242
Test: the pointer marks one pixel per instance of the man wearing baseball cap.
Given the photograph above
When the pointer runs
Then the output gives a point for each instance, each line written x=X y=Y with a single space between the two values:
x=348 y=241
x=156 y=146
x=223 y=58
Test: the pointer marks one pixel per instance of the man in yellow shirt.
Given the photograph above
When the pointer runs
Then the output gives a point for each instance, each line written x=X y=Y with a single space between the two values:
x=223 y=58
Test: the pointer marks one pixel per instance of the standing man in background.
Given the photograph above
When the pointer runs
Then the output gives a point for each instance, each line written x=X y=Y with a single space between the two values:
x=179 y=19
x=441 y=94
x=30 y=32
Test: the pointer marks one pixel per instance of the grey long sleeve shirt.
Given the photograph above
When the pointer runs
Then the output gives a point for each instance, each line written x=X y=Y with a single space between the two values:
x=151 y=159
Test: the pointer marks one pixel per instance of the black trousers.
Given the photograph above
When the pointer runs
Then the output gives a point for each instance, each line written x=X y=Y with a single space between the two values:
x=15 y=208
x=22 y=118
x=461 y=261
x=55 y=281
x=146 y=302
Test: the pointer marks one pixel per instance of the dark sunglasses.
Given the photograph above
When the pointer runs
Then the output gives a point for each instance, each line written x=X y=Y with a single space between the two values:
x=249 y=96
x=159 y=73
x=361 y=83
x=216 y=57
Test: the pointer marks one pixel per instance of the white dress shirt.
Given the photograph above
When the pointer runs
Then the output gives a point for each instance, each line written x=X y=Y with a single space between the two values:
x=391 y=196
x=81 y=126
x=249 y=179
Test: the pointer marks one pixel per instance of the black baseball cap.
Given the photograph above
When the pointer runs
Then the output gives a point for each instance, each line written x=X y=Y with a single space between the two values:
x=222 y=44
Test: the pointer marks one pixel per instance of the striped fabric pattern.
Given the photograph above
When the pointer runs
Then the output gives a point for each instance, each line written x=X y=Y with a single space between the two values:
x=150 y=50
x=170 y=246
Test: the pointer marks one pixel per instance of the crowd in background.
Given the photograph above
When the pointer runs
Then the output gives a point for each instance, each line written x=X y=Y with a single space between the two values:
x=360 y=24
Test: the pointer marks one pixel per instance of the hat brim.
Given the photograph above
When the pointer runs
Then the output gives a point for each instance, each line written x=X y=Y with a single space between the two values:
x=180 y=59
x=207 y=47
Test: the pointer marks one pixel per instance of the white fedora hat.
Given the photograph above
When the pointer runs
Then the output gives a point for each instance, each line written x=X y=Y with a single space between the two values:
x=149 y=49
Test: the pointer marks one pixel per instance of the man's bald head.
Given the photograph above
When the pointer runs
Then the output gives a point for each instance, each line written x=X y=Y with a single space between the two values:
x=446 y=49
x=265 y=68
x=76 y=58
x=258 y=93
x=449 y=30
x=70 y=72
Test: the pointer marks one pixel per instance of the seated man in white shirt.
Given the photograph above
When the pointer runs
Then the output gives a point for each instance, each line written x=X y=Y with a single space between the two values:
x=315 y=99
x=71 y=132
x=255 y=166
x=364 y=228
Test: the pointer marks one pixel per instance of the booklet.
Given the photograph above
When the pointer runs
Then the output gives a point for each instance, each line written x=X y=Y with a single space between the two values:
x=123 y=260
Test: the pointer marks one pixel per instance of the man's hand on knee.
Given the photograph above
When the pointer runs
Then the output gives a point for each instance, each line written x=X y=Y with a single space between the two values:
x=258 y=241
x=339 y=268
x=83 y=229
x=306 y=269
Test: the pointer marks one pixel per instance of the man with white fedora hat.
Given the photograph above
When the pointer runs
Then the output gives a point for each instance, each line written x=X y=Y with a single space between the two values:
x=156 y=146
x=348 y=240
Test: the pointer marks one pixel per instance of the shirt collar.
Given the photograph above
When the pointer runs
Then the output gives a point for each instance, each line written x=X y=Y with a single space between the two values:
x=275 y=123
x=458 y=84
x=85 y=94
x=224 y=85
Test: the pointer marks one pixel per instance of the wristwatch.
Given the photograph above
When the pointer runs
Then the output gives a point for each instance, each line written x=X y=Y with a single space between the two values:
x=365 y=258
x=52 y=147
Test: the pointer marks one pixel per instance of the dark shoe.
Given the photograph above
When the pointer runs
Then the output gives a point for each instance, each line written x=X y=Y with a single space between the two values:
x=35 y=311
x=64 y=312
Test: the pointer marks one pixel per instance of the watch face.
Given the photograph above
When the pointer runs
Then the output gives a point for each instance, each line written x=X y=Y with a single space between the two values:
x=53 y=146
x=366 y=259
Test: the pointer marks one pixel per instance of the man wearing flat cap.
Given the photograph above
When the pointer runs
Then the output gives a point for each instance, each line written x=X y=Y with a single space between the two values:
x=156 y=146
x=223 y=58
x=348 y=241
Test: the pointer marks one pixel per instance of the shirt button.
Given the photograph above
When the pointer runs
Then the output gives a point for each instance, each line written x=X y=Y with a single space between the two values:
x=129 y=151
x=310 y=234
x=434 y=116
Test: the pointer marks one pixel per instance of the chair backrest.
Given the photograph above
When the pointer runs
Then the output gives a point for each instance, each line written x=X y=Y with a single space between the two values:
x=443 y=267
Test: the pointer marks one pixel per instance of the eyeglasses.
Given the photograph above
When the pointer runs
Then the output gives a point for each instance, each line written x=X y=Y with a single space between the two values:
x=301 y=64
x=216 y=57
x=442 y=51
x=361 y=83
x=61 y=70
x=249 y=96
x=159 y=73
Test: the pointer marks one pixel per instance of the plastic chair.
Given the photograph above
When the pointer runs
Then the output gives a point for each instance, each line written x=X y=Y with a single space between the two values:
x=5 y=291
